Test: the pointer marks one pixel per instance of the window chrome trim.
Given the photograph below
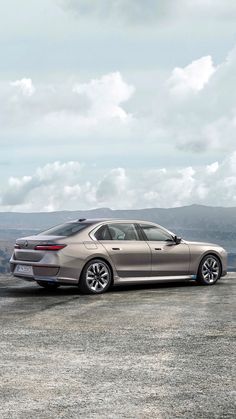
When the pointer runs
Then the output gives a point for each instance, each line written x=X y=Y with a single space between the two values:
x=137 y=224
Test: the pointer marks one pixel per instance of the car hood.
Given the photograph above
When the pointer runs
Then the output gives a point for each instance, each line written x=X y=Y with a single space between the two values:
x=192 y=243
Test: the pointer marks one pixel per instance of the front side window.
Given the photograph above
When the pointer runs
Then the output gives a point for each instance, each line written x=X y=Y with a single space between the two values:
x=153 y=233
x=117 y=231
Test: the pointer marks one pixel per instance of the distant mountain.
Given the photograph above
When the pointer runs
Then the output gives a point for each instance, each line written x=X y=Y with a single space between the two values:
x=194 y=222
x=188 y=217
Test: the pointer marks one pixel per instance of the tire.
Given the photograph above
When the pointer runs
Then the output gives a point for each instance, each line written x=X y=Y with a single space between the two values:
x=209 y=270
x=96 y=277
x=48 y=285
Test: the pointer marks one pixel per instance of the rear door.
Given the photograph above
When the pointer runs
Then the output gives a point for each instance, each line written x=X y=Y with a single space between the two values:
x=168 y=258
x=130 y=254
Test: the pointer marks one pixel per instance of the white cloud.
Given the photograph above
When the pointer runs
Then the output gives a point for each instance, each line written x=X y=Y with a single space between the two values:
x=195 y=110
x=59 y=186
x=43 y=183
x=105 y=95
x=25 y=86
x=212 y=168
x=113 y=186
x=133 y=10
x=201 y=106
x=138 y=11
x=66 y=109
x=99 y=118
x=193 y=77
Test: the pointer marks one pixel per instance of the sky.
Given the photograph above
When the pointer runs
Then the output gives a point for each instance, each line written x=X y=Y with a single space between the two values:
x=117 y=103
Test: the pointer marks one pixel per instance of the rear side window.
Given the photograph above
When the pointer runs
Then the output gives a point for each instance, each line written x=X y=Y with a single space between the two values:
x=119 y=231
x=103 y=233
x=153 y=233
x=66 y=229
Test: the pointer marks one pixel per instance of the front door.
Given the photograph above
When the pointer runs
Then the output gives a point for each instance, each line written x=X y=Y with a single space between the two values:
x=168 y=258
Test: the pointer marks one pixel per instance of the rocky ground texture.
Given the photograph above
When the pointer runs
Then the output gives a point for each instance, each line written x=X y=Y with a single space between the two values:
x=154 y=351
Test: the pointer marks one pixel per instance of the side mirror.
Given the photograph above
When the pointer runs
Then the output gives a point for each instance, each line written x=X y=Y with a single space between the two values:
x=177 y=239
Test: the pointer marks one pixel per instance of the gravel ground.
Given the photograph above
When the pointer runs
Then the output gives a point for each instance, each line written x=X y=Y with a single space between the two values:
x=154 y=351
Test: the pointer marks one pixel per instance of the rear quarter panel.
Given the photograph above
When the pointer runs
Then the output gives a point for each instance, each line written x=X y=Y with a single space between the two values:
x=74 y=257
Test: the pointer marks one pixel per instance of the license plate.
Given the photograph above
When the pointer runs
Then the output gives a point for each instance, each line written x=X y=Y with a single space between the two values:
x=23 y=270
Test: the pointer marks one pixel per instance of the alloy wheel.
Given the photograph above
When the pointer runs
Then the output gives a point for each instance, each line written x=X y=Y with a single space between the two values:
x=97 y=276
x=210 y=269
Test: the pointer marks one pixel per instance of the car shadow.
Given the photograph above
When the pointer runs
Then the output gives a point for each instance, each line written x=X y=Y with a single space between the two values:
x=150 y=286
x=33 y=290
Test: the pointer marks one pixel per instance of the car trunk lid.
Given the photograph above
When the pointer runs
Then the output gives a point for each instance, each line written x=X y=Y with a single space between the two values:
x=25 y=247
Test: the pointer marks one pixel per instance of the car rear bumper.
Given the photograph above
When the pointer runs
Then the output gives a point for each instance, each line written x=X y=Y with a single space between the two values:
x=47 y=273
x=55 y=279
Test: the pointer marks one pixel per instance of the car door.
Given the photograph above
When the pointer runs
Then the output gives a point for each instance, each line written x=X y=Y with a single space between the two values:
x=168 y=258
x=130 y=254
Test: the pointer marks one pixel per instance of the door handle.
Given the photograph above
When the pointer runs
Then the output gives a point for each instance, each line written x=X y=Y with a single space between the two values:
x=158 y=248
x=116 y=248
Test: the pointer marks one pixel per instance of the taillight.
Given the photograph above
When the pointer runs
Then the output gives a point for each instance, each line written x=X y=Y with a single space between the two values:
x=17 y=246
x=52 y=247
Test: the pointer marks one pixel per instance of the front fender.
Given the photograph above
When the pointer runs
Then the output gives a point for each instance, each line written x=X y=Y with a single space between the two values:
x=196 y=258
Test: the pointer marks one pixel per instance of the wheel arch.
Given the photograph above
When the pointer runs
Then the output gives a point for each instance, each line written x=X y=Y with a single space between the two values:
x=103 y=259
x=211 y=253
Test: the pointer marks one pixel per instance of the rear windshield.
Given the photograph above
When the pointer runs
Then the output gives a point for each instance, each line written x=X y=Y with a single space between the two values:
x=66 y=229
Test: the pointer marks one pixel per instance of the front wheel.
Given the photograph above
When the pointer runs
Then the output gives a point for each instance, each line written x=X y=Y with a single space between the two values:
x=48 y=285
x=96 y=277
x=209 y=270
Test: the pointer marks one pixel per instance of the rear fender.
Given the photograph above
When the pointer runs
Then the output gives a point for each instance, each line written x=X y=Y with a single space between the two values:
x=104 y=259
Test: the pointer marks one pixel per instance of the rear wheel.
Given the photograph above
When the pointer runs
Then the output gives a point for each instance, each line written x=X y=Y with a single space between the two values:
x=96 y=277
x=48 y=285
x=209 y=270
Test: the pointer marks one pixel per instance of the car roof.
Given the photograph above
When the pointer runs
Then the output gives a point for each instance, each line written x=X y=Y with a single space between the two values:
x=102 y=220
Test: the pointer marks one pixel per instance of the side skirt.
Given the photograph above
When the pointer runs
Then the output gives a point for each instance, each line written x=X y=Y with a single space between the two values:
x=131 y=280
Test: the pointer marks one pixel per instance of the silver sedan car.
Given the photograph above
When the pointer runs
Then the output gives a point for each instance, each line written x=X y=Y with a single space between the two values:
x=95 y=254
